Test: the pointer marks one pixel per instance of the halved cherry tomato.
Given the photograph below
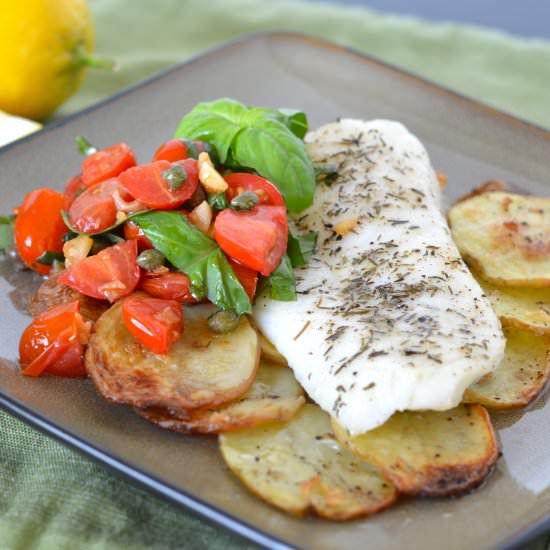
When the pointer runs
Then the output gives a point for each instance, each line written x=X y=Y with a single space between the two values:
x=133 y=231
x=256 y=239
x=247 y=277
x=108 y=275
x=54 y=342
x=147 y=184
x=266 y=191
x=168 y=286
x=180 y=149
x=156 y=323
x=107 y=163
x=39 y=227
x=94 y=210
x=73 y=188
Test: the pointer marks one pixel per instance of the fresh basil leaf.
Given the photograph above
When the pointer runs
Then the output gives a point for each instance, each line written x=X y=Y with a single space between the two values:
x=218 y=201
x=216 y=122
x=282 y=282
x=48 y=257
x=300 y=248
x=6 y=233
x=84 y=146
x=279 y=156
x=295 y=121
x=198 y=256
x=264 y=140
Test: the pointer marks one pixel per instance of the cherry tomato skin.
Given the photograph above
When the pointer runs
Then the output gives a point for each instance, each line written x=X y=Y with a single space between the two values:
x=180 y=149
x=94 y=210
x=108 y=275
x=256 y=239
x=39 y=227
x=73 y=188
x=168 y=286
x=172 y=150
x=147 y=185
x=247 y=277
x=133 y=231
x=243 y=181
x=107 y=163
x=156 y=323
x=54 y=343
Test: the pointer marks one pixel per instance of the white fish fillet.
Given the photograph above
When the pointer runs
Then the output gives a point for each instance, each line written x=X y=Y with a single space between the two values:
x=388 y=317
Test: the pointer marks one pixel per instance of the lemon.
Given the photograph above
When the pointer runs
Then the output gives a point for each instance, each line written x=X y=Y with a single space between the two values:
x=45 y=47
x=14 y=127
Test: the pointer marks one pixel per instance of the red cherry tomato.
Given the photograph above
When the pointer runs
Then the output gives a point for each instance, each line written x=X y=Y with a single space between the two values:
x=172 y=150
x=256 y=239
x=39 y=227
x=147 y=184
x=133 y=231
x=108 y=275
x=168 y=286
x=94 y=210
x=107 y=163
x=54 y=342
x=180 y=149
x=73 y=188
x=247 y=277
x=156 y=323
x=266 y=191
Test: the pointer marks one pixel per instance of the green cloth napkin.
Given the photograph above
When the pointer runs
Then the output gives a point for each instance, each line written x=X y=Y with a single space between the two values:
x=51 y=497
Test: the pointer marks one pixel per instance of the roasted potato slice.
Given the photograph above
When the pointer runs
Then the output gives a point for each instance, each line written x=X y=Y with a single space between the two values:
x=299 y=466
x=490 y=186
x=430 y=453
x=51 y=293
x=523 y=308
x=275 y=396
x=520 y=377
x=202 y=369
x=270 y=352
x=505 y=236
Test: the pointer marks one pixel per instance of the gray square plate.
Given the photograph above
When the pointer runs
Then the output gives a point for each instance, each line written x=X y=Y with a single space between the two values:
x=469 y=141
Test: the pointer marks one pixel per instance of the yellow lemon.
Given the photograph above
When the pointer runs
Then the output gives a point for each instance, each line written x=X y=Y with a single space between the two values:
x=45 y=47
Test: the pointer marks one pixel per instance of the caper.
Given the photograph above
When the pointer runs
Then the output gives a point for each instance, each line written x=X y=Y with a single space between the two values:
x=150 y=259
x=218 y=201
x=223 y=321
x=175 y=176
x=245 y=201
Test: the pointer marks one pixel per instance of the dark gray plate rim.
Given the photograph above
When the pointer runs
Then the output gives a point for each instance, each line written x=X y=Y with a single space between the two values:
x=145 y=480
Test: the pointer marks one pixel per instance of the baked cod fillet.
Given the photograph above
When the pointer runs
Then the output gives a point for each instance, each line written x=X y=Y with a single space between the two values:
x=388 y=317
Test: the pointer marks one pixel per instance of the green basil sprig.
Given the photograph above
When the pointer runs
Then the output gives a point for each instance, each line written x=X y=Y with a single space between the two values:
x=268 y=141
x=199 y=257
x=282 y=282
x=300 y=248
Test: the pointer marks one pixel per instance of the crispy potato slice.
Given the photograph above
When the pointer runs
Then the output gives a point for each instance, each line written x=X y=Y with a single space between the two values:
x=520 y=377
x=430 y=453
x=490 y=186
x=202 y=369
x=270 y=352
x=505 y=236
x=299 y=466
x=523 y=308
x=275 y=396
x=51 y=293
